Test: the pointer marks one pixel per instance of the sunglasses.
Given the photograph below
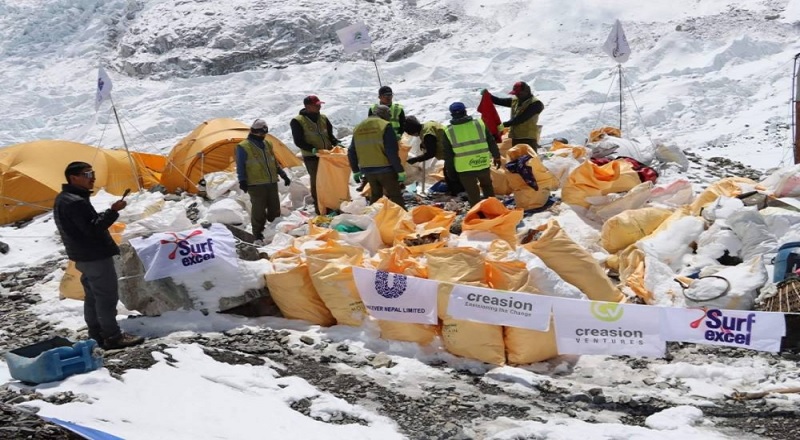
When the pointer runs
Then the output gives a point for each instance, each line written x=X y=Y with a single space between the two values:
x=88 y=174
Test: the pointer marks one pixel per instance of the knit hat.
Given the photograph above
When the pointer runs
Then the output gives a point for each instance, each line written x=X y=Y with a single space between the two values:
x=385 y=90
x=458 y=108
x=412 y=126
x=259 y=126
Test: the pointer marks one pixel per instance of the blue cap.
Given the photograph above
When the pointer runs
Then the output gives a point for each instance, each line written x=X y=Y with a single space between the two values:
x=457 y=107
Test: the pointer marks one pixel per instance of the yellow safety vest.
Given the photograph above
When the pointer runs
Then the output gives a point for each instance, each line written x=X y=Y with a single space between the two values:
x=261 y=166
x=528 y=129
x=436 y=129
x=394 y=118
x=315 y=133
x=469 y=146
x=368 y=140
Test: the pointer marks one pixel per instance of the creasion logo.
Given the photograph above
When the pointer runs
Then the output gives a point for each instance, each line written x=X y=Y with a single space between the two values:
x=606 y=311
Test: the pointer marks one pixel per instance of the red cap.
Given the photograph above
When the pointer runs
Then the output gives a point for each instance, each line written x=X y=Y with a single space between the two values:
x=312 y=99
x=518 y=87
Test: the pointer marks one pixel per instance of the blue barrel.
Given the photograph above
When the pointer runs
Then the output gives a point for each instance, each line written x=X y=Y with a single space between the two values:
x=787 y=262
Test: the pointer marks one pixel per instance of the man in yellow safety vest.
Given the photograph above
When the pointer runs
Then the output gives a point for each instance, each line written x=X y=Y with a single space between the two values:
x=258 y=172
x=312 y=131
x=525 y=109
x=397 y=116
x=471 y=148
x=375 y=155
x=432 y=135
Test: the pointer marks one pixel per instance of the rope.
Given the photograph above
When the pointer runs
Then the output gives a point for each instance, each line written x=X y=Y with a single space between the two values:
x=602 y=107
x=638 y=113
x=724 y=292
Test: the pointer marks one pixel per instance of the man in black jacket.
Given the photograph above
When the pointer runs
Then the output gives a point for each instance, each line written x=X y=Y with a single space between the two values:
x=89 y=244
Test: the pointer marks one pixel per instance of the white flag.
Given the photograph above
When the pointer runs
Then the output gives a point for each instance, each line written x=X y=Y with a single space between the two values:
x=616 y=45
x=103 y=88
x=354 y=37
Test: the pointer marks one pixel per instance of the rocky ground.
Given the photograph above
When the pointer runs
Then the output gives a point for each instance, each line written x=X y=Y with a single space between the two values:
x=452 y=409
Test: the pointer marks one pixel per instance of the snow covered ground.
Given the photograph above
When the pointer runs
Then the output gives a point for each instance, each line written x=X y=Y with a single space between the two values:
x=713 y=77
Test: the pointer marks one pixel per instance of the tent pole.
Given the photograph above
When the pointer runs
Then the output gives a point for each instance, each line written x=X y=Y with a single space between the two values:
x=619 y=66
x=796 y=110
x=125 y=143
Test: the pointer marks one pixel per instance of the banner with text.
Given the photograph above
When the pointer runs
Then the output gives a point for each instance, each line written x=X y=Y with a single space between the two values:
x=732 y=328
x=396 y=297
x=166 y=254
x=515 y=309
x=595 y=327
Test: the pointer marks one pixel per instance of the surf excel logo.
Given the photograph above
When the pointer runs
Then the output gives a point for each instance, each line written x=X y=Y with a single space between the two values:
x=608 y=313
x=191 y=253
x=727 y=329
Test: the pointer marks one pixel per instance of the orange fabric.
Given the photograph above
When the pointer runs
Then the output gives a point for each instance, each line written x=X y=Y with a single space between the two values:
x=598 y=133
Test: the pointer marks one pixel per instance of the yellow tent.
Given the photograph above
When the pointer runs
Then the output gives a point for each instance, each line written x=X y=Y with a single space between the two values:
x=210 y=147
x=31 y=174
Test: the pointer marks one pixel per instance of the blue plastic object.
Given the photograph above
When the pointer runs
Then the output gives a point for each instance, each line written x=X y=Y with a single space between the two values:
x=787 y=262
x=52 y=360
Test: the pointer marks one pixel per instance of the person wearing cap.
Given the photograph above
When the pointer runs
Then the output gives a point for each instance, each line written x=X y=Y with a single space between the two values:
x=433 y=134
x=525 y=109
x=85 y=235
x=312 y=132
x=375 y=155
x=258 y=171
x=397 y=116
x=471 y=148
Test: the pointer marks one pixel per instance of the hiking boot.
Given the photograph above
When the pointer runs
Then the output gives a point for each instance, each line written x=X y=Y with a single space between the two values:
x=122 y=341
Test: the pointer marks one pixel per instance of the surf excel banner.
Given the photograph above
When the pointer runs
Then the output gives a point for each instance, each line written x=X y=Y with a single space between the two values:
x=596 y=327
x=165 y=254
x=396 y=297
x=732 y=328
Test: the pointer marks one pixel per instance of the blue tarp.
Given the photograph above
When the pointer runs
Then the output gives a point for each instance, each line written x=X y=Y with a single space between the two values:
x=87 y=433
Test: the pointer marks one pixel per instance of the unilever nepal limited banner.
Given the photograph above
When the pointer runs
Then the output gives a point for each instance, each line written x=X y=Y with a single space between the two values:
x=489 y=306
x=733 y=328
x=165 y=254
x=396 y=297
x=595 y=327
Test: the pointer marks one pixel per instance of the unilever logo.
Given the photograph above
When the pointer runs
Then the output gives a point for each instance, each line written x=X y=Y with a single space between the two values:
x=607 y=312
x=721 y=328
x=191 y=253
x=397 y=289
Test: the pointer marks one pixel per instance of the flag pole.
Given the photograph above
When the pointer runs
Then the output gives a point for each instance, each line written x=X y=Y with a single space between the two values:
x=125 y=143
x=619 y=66
x=796 y=108
x=374 y=61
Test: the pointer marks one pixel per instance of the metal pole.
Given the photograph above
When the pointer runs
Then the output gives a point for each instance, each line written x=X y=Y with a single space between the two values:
x=619 y=66
x=424 y=176
x=125 y=143
x=796 y=110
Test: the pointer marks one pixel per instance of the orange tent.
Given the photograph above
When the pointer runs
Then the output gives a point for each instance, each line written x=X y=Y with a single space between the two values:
x=31 y=174
x=210 y=147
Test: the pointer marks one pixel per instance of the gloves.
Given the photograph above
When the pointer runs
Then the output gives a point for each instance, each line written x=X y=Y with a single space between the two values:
x=497 y=162
x=413 y=160
x=286 y=180
x=401 y=177
x=484 y=91
x=357 y=176
x=501 y=127
x=314 y=151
